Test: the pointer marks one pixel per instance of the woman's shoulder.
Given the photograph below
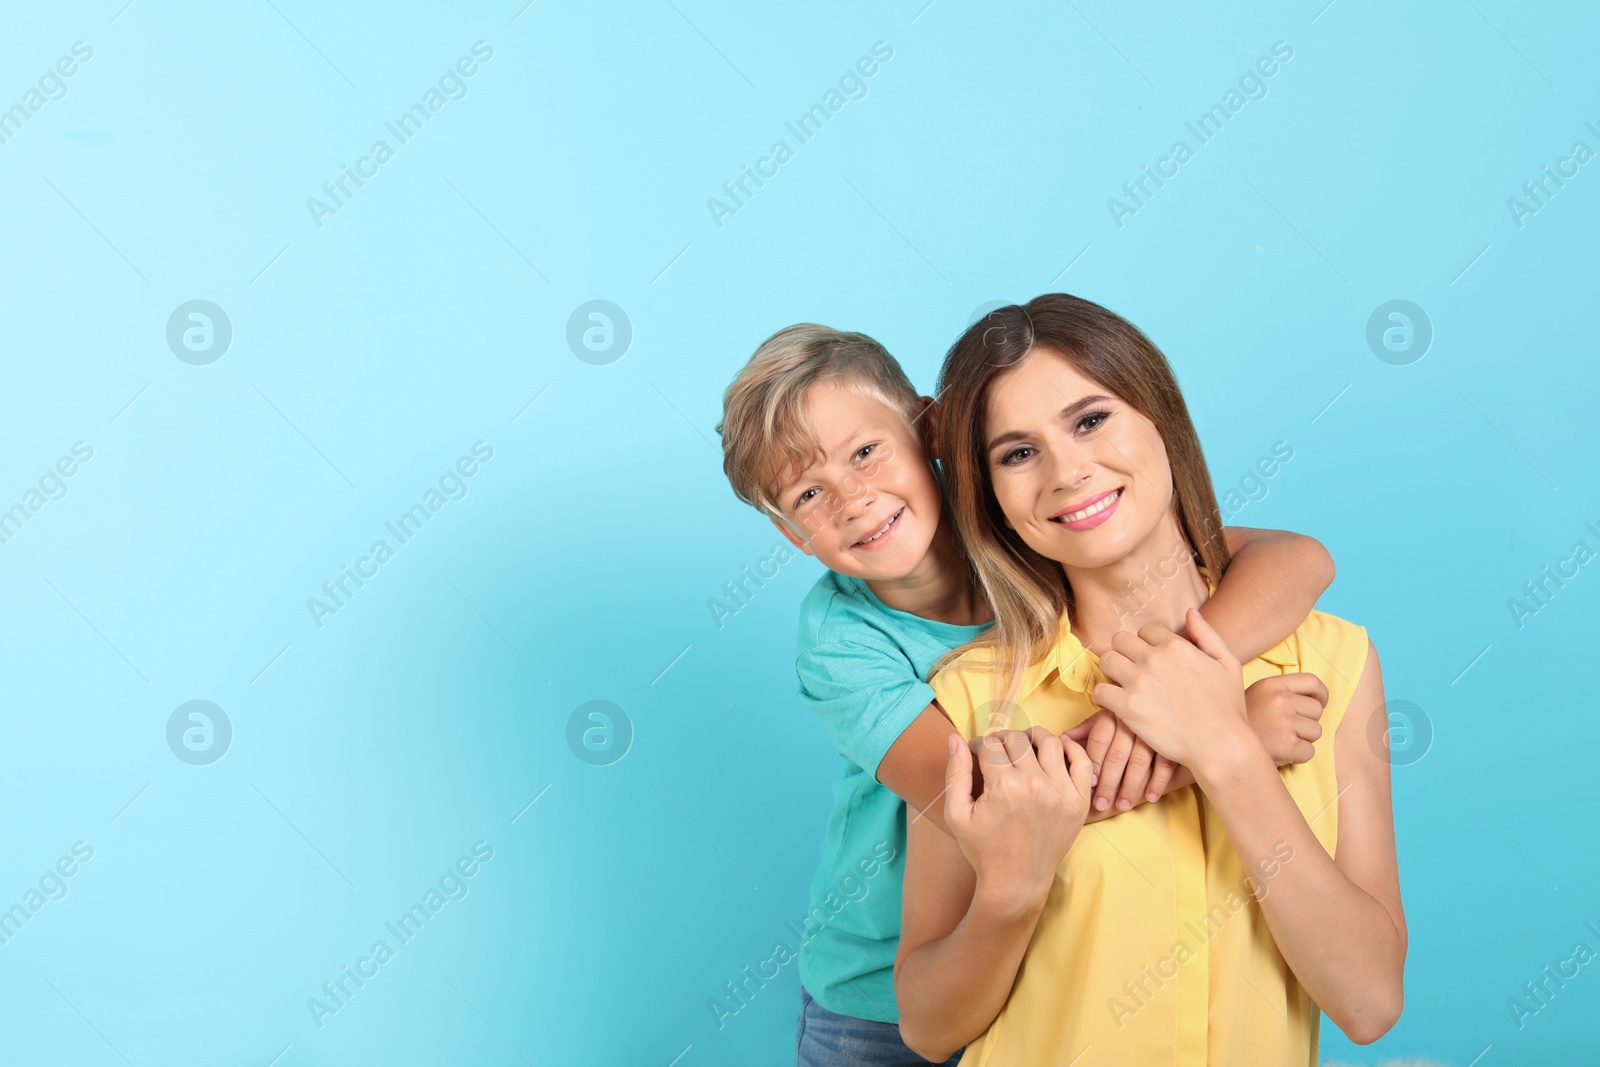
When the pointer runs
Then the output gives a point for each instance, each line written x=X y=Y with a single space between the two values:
x=1332 y=637
x=964 y=682
x=968 y=686
x=1330 y=647
x=974 y=660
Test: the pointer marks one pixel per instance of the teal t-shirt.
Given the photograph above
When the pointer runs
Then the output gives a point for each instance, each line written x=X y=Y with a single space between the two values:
x=862 y=667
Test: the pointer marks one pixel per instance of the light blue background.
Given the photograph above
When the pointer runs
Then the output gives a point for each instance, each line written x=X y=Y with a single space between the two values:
x=426 y=315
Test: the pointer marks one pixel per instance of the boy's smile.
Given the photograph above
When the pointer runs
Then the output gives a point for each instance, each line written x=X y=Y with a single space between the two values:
x=875 y=539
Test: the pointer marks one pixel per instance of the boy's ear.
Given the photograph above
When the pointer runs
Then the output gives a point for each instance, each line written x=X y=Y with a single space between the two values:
x=794 y=539
x=927 y=423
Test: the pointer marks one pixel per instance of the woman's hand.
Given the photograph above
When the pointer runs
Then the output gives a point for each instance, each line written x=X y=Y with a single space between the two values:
x=1129 y=770
x=1186 y=700
x=1284 y=710
x=1034 y=800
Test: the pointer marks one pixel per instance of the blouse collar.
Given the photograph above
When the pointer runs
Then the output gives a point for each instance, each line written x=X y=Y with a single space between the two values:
x=1080 y=671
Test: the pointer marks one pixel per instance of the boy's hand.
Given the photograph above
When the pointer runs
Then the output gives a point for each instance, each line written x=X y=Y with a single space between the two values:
x=1283 y=711
x=1130 y=771
x=1032 y=806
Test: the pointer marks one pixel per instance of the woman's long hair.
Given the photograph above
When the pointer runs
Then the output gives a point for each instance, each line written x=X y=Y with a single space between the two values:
x=1029 y=592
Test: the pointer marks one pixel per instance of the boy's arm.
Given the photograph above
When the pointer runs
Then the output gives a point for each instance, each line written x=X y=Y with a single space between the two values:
x=1270 y=587
x=914 y=767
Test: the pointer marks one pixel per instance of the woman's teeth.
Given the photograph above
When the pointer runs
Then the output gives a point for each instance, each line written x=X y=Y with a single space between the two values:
x=1093 y=509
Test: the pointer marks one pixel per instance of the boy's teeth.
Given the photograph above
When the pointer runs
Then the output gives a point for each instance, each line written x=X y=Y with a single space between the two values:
x=1093 y=509
x=881 y=530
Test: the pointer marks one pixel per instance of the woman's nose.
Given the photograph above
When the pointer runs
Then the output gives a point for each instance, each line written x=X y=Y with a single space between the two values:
x=1069 y=470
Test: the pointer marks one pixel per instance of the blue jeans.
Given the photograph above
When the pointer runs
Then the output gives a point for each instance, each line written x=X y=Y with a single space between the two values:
x=827 y=1039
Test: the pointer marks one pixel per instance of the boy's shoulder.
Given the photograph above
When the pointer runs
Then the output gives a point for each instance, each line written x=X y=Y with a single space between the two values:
x=842 y=618
x=837 y=609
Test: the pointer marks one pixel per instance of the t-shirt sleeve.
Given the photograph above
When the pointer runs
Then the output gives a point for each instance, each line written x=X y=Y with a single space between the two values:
x=866 y=696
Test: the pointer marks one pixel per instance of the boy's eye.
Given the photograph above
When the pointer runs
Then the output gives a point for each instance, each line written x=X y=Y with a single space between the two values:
x=804 y=497
x=1093 y=421
x=861 y=453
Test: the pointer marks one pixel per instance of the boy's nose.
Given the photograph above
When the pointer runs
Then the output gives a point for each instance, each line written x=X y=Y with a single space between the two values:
x=858 y=503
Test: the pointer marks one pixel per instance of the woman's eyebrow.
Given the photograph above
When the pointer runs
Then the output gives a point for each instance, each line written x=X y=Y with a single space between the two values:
x=1064 y=415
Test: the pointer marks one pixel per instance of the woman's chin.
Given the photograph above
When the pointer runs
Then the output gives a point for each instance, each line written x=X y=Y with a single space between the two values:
x=1085 y=552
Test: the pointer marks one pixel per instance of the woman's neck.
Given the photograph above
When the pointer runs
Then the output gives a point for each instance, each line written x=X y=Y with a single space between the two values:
x=940 y=587
x=1155 y=584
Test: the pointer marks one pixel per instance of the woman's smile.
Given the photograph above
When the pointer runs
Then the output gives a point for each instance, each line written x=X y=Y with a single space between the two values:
x=1091 y=513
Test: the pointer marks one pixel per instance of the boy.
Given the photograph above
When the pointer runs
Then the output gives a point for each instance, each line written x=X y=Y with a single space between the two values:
x=824 y=433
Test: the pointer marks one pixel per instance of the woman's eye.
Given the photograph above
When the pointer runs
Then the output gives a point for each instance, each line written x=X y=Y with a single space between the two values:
x=1093 y=421
x=1015 y=456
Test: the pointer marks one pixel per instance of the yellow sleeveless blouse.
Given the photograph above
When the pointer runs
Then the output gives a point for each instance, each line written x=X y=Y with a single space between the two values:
x=1151 y=949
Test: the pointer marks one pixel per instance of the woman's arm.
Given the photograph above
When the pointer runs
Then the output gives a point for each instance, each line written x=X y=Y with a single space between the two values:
x=958 y=955
x=1339 y=924
x=1270 y=587
x=970 y=903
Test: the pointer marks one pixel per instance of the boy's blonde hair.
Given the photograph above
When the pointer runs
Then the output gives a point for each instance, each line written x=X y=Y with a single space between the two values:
x=764 y=430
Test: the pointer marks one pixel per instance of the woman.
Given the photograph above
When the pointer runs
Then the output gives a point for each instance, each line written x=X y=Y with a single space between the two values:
x=1209 y=927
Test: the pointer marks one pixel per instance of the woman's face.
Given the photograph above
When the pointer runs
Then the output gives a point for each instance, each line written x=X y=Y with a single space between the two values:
x=1080 y=475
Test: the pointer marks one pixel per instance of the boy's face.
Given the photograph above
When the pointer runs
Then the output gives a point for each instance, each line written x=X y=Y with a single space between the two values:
x=867 y=506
